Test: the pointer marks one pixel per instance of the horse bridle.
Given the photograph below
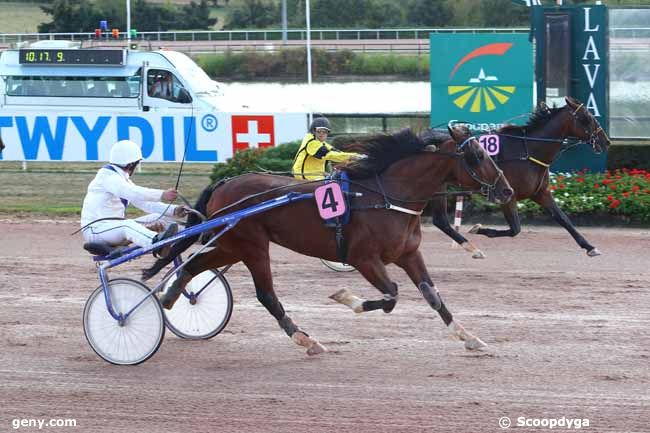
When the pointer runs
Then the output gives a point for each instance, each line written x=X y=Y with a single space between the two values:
x=487 y=189
x=593 y=136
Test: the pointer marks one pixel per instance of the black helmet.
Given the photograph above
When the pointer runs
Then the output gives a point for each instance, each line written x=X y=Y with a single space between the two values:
x=319 y=122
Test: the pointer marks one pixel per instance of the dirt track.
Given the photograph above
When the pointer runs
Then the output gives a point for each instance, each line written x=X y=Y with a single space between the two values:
x=567 y=335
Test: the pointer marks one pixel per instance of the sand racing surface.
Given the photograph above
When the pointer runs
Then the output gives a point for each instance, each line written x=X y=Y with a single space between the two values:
x=568 y=340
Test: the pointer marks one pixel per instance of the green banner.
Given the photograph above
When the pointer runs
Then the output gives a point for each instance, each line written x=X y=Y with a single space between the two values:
x=482 y=79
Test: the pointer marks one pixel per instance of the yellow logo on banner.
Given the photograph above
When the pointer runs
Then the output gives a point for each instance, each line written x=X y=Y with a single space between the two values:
x=479 y=94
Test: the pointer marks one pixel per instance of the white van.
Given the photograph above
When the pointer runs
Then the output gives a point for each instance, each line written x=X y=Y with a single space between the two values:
x=72 y=104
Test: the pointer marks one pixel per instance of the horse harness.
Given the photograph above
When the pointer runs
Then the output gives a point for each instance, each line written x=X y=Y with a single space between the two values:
x=594 y=134
x=341 y=177
x=487 y=189
x=337 y=223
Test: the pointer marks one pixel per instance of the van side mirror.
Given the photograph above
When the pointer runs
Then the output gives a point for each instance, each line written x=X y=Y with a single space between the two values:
x=184 y=97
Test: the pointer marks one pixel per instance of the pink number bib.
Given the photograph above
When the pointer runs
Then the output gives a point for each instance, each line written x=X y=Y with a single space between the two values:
x=329 y=200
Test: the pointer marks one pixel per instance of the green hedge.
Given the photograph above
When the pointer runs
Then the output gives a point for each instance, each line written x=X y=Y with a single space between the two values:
x=628 y=156
x=292 y=64
x=622 y=194
x=278 y=159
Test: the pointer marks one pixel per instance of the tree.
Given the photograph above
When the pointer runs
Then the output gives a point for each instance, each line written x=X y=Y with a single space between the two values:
x=429 y=13
x=339 y=13
x=84 y=16
x=384 y=14
x=503 y=13
x=197 y=16
x=253 y=13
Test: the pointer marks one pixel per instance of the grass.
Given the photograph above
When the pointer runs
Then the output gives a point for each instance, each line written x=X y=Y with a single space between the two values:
x=21 y=17
x=57 y=189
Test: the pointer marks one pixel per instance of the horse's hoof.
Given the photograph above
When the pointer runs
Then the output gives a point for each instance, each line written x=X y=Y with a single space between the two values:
x=345 y=297
x=475 y=343
x=593 y=252
x=316 y=349
x=474 y=230
x=478 y=254
x=146 y=274
x=313 y=346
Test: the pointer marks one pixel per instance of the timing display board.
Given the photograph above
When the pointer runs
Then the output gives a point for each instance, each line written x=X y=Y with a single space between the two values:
x=71 y=57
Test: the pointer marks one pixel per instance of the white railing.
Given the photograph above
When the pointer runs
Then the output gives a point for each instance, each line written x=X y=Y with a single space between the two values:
x=258 y=35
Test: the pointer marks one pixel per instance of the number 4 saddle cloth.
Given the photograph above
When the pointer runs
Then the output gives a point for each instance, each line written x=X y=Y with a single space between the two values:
x=342 y=179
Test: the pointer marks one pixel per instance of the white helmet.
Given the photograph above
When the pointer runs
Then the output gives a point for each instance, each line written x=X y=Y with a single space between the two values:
x=124 y=152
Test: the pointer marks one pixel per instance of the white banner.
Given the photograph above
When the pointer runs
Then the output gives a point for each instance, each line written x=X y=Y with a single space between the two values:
x=77 y=135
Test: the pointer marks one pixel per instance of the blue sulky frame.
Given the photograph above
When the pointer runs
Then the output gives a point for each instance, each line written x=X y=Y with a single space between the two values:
x=229 y=221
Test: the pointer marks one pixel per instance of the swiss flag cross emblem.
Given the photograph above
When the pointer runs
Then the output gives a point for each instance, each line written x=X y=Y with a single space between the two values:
x=249 y=132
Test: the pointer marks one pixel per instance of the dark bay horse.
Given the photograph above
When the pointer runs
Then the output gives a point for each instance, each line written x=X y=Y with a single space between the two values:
x=396 y=180
x=526 y=152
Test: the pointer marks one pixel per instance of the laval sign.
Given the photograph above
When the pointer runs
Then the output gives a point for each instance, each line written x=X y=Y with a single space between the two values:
x=585 y=31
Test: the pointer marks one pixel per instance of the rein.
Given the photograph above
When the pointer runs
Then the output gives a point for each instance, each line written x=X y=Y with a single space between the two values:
x=566 y=145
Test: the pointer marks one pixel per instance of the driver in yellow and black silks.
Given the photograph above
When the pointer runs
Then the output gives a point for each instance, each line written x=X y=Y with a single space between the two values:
x=314 y=152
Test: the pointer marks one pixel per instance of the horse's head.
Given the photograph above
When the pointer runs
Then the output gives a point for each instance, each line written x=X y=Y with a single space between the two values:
x=585 y=126
x=478 y=168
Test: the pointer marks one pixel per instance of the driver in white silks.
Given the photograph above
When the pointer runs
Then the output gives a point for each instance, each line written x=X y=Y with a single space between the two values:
x=109 y=194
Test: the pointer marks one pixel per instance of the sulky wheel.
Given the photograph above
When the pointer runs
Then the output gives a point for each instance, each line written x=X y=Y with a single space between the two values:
x=203 y=309
x=129 y=341
x=337 y=266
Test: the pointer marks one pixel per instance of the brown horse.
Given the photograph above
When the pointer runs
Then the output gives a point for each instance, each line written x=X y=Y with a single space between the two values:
x=525 y=156
x=396 y=180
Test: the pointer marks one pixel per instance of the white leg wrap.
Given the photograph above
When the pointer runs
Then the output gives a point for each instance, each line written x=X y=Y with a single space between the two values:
x=346 y=297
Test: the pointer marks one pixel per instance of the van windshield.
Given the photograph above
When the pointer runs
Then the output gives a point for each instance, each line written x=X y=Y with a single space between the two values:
x=195 y=76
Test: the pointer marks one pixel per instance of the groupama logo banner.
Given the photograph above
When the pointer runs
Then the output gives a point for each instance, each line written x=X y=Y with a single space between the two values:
x=482 y=91
x=483 y=79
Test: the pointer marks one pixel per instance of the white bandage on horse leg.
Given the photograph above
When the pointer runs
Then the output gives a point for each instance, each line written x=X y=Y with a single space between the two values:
x=345 y=297
x=458 y=217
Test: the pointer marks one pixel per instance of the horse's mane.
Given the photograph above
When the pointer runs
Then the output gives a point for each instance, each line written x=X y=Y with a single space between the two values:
x=538 y=119
x=385 y=149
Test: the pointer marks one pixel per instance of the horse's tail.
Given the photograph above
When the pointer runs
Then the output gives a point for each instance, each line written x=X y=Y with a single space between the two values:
x=182 y=245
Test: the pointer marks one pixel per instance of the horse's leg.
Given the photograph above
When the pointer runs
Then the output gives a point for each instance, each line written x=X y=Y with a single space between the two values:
x=414 y=266
x=545 y=199
x=375 y=272
x=197 y=264
x=440 y=220
x=512 y=217
x=259 y=266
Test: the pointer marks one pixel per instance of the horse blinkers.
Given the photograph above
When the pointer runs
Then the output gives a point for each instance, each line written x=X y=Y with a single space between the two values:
x=471 y=159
